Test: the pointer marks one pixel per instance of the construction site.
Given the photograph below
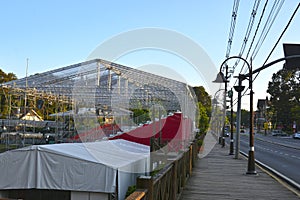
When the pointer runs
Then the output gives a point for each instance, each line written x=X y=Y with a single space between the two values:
x=88 y=101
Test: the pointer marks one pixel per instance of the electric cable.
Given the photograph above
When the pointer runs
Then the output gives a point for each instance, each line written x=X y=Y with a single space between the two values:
x=232 y=26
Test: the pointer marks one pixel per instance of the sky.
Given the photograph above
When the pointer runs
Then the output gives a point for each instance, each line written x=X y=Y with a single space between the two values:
x=54 y=34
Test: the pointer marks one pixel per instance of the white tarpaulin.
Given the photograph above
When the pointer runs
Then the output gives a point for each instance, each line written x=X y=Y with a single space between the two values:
x=92 y=167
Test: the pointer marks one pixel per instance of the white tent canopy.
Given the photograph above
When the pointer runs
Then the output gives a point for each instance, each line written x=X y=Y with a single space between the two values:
x=90 y=167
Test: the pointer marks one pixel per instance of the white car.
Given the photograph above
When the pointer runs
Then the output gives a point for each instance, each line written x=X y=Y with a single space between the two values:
x=296 y=135
x=278 y=133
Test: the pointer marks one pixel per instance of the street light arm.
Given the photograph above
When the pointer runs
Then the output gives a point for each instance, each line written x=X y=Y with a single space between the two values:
x=237 y=57
x=272 y=63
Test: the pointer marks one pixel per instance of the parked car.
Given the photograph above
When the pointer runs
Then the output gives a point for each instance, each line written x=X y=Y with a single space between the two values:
x=226 y=134
x=296 y=135
x=278 y=133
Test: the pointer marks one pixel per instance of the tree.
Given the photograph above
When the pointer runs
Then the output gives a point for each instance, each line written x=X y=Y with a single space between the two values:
x=204 y=106
x=6 y=77
x=285 y=97
x=245 y=119
x=204 y=98
x=203 y=118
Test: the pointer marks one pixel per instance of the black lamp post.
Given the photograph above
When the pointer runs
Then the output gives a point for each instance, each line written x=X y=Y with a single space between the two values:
x=251 y=160
x=239 y=89
x=230 y=95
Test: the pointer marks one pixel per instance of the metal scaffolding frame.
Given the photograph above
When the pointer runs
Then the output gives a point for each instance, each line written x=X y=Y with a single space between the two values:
x=109 y=87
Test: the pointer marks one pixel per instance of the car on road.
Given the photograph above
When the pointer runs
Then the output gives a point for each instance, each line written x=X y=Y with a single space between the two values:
x=296 y=135
x=278 y=133
x=226 y=134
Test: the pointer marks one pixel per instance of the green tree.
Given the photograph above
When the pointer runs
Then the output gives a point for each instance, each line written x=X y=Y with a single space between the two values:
x=245 y=118
x=204 y=106
x=285 y=97
x=203 y=119
x=4 y=77
x=204 y=98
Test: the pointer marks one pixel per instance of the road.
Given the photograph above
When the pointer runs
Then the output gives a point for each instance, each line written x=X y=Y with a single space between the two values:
x=279 y=153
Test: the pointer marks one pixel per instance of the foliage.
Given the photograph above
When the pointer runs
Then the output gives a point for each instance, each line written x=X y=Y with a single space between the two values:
x=204 y=98
x=12 y=102
x=204 y=107
x=245 y=118
x=140 y=116
x=130 y=190
x=5 y=77
x=285 y=97
x=203 y=118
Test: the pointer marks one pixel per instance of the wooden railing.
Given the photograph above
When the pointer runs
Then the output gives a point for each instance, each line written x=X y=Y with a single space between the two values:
x=168 y=183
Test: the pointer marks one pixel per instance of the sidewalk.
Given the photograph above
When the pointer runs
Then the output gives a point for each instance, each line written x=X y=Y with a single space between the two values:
x=219 y=176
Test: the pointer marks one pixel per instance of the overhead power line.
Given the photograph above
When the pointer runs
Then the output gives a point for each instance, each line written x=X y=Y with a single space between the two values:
x=255 y=34
x=232 y=26
x=278 y=40
x=277 y=5
x=248 y=31
x=281 y=35
x=270 y=20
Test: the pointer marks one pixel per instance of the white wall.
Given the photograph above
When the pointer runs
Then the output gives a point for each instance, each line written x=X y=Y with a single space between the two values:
x=88 y=196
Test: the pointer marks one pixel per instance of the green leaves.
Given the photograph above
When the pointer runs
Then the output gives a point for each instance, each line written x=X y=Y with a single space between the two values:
x=285 y=97
x=204 y=106
x=6 y=77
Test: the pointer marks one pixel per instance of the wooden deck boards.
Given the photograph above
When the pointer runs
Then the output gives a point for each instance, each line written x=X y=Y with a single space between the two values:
x=220 y=176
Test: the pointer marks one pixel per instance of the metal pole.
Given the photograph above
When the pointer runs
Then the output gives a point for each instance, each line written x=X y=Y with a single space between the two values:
x=238 y=122
x=251 y=160
x=231 y=123
x=25 y=103
x=224 y=118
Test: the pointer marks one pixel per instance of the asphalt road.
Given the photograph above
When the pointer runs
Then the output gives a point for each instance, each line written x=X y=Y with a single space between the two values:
x=279 y=153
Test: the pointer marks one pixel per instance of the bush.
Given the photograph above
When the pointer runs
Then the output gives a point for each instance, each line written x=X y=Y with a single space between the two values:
x=130 y=190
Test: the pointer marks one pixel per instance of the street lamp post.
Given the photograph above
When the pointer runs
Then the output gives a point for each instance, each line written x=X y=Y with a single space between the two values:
x=239 y=89
x=251 y=160
x=230 y=95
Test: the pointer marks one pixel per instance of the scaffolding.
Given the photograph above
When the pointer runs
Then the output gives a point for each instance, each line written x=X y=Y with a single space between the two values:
x=91 y=90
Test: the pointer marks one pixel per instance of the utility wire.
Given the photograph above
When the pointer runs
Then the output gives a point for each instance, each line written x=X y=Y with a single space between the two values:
x=271 y=18
x=248 y=31
x=284 y=30
x=268 y=24
x=232 y=26
x=278 y=40
x=255 y=34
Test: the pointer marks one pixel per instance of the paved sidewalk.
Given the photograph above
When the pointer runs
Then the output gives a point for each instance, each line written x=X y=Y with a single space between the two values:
x=220 y=176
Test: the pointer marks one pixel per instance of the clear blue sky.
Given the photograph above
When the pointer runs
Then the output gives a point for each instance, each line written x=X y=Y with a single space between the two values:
x=53 y=34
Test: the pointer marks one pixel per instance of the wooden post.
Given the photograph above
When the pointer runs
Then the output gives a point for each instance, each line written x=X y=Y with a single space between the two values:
x=146 y=182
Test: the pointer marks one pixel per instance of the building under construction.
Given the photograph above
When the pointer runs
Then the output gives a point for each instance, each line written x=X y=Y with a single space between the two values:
x=78 y=99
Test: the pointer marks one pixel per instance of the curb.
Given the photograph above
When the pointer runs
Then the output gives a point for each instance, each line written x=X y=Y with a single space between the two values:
x=289 y=183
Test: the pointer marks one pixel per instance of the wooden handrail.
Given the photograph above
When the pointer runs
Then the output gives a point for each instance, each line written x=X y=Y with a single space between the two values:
x=169 y=181
x=137 y=195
